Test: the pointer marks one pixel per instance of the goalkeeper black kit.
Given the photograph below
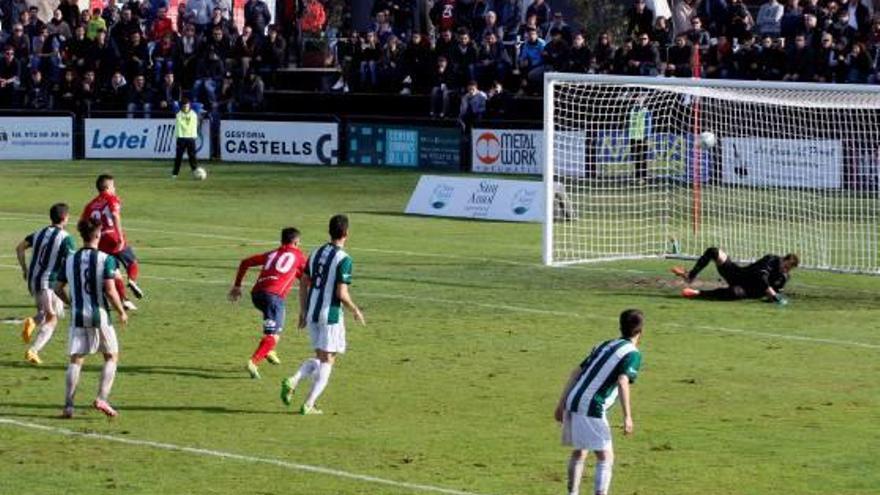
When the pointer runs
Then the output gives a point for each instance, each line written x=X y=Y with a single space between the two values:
x=749 y=281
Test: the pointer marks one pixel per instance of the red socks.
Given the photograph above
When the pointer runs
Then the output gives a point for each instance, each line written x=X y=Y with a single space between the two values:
x=265 y=347
x=120 y=288
x=132 y=270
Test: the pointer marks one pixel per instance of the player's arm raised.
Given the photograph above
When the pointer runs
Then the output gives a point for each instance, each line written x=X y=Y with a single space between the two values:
x=20 y=255
x=345 y=298
x=623 y=384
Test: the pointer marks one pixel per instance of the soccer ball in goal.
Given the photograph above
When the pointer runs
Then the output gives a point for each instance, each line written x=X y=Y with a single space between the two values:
x=707 y=139
x=753 y=167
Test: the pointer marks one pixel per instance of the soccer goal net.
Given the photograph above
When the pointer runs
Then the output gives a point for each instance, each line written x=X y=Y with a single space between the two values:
x=649 y=167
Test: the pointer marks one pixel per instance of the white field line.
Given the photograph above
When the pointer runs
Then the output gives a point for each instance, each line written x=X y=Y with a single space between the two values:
x=293 y=466
x=511 y=308
x=10 y=215
x=453 y=302
x=527 y=309
x=422 y=254
x=355 y=249
x=177 y=248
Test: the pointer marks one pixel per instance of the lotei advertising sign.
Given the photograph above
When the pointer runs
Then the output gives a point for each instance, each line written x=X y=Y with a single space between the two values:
x=507 y=151
x=307 y=143
x=478 y=198
x=36 y=138
x=139 y=138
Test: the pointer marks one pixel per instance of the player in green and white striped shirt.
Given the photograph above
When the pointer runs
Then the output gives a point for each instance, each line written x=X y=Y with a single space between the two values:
x=51 y=245
x=591 y=390
x=323 y=292
x=91 y=276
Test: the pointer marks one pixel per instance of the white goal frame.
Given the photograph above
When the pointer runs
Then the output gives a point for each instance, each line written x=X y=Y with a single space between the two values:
x=551 y=188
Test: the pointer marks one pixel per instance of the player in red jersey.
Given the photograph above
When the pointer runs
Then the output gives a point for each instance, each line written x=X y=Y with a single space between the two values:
x=107 y=207
x=280 y=269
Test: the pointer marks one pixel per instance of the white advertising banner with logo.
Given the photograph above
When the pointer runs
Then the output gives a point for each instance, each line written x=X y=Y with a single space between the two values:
x=507 y=151
x=139 y=138
x=811 y=163
x=310 y=143
x=570 y=153
x=36 y=138
x=480 y=198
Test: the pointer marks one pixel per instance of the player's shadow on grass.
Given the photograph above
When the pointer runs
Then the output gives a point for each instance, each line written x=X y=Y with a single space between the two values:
x=122 y=406
x=181 y=371
x=186 y=371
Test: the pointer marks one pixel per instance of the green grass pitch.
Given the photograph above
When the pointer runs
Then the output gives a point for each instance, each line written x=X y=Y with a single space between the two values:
x=453 y=382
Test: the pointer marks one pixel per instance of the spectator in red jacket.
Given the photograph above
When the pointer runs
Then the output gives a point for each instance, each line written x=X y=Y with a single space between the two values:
x=313 y=18
x=162 y=25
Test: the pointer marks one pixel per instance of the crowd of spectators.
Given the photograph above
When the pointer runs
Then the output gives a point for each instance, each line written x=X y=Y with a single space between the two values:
x=136 y=59
x=834 y=41
x=479 y=52
x=470 y=56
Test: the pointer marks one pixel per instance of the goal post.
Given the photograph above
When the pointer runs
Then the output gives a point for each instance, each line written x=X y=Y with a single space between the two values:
x=646 y=167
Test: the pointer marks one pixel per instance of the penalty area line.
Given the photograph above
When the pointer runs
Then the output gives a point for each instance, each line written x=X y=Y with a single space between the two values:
x=527 y=309
x=292 y=466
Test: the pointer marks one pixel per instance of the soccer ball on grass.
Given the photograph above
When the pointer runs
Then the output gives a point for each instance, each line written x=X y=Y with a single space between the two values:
x=200 y=174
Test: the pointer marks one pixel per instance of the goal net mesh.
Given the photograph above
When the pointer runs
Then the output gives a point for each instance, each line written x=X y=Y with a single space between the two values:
x=642 y=170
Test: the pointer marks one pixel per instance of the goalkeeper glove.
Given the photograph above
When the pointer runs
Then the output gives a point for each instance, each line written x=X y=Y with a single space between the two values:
x=780 y=299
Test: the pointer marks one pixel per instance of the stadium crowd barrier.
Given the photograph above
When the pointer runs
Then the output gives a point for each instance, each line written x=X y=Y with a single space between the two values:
x=490 y=147
x=512 y=147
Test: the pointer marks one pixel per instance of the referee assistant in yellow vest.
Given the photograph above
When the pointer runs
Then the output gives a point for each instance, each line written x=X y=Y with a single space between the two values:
x=639 y=137
x=186 y=130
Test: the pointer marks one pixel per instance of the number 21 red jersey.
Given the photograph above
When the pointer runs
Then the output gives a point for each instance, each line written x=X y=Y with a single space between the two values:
x=103 y=207
x=280 y=268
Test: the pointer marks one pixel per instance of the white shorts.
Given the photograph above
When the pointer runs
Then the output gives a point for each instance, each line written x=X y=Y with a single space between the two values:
x=49 y=303
x=90 y=340
x=328 y=338
x=585 y=433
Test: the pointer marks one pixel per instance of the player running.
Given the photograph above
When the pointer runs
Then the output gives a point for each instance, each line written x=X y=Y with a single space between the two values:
x=280 y=269
x=765 y=277
x=51 y=245
x=591 y=390
x=323 y=292
x=107 y=207
x=91 y=275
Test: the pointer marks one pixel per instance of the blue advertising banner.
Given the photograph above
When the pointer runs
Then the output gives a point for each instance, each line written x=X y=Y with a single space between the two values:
x=399 y=146
x=668 y=156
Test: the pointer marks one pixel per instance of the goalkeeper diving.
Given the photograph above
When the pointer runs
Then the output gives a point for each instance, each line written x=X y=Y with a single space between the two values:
x=764 y=278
